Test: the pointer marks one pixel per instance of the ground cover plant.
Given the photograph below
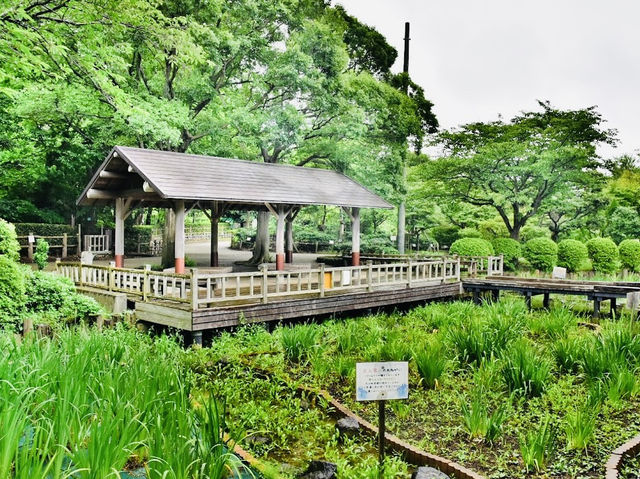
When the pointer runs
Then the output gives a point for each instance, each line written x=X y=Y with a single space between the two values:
x=89 y=404
x=507 y=392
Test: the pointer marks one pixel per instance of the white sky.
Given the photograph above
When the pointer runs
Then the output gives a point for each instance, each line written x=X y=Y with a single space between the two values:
x=479 y=58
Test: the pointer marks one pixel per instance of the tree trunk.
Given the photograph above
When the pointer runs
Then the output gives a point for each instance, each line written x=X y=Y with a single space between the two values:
x=169 y=239
x=261 y=247
x=342 y=227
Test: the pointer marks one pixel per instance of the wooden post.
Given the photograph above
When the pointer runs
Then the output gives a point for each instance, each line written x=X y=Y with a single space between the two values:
x=79 y=246
x=596 y=308
x=146 y=285
x=214 y=260
x=355 y=236
x=64 y=245
x=612 y=311
x=194 y=289
x=119 y=241
x=409 y=274
x=545 y=301
x=30 y=247
x=527 y=300
x=179 y=236
x=496 y=295
x=321 y=280
x=265 y=283
x=280 y=220
x=476 y=297
x=196 y=338
x=370 y=276
x=381 y=435
x=27 y=326
x=288 y=240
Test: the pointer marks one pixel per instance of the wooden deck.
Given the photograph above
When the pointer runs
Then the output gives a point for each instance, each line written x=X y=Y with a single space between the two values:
x=596 y=291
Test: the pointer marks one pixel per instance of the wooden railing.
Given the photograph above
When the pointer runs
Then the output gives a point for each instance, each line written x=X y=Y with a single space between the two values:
x=97 y=244
x=261 y=286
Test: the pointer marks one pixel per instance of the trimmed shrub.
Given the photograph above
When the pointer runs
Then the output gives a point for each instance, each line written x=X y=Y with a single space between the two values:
x=9 y=245
x=510 y=249
x=604 y=254
x=541 y=253
x=492 y=229
x=445 y=235
x=571 y=254
x=471 y=247
x=47 y=292
x=44 y=229
x=12 y=291
x=41 y=254
x=629 y=250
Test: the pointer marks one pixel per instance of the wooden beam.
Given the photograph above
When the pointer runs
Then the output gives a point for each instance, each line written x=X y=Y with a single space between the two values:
x=96 y=194
x=115 y=175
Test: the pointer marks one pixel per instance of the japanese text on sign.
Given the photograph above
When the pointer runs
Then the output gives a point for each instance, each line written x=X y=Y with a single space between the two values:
x=381 y=381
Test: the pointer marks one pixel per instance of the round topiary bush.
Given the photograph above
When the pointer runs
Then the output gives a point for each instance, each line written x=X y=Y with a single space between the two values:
x=541 y=253
x=510 y=249
x=604 y=254
x=571 y=254
x=9 y=245
x=630 y=254
x=471 y=247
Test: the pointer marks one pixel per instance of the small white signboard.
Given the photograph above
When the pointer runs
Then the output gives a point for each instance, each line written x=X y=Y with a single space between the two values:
x=559 y=273
x=382 y=381
x=32 y=239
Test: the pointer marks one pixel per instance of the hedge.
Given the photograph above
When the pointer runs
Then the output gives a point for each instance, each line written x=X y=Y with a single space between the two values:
x=471 y=247
x=44 y=229
x=510 y=250
x=630 y=254
x=541 y=253
x=604 y=254
x=12 y=291
x=571 y=254
x=137 y=234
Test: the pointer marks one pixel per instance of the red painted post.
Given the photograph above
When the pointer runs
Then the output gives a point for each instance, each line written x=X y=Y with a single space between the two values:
x=119 y=261
x=179 y=265
x=279 y=262
x=355 y=258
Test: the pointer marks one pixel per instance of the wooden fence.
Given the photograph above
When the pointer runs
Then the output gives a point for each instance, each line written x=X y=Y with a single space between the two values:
x=261 y=286
x=67 y=243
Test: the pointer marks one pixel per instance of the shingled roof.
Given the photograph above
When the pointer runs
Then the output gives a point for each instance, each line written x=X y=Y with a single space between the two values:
x=160 y=176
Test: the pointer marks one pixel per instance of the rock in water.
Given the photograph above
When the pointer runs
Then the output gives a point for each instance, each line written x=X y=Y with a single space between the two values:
x=348 y=426
x=320 y=470
x=428 y=473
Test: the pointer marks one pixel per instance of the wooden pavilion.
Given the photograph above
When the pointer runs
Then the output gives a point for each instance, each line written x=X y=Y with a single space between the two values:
x=135 y=177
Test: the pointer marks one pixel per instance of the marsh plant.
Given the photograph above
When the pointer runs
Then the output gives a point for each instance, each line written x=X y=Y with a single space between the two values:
x=538 y=446
x=477 y=419
x=526 y=371
x=299 y=341
x=430 y=362
x=580 y=426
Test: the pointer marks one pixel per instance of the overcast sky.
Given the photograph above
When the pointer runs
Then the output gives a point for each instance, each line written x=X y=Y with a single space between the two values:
x=479 y=58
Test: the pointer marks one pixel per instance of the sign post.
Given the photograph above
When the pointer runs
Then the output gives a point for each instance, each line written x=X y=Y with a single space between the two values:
x=381 y=382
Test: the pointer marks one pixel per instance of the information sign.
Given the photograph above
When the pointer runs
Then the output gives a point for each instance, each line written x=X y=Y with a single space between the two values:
x=382 y=381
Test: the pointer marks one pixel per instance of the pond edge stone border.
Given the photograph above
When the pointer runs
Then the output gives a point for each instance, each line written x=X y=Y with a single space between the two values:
x=629 y=449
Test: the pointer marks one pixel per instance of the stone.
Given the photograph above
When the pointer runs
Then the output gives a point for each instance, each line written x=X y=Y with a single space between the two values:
x=86 y=257
x=428 y=473
x=347 y=426
x=320 y=470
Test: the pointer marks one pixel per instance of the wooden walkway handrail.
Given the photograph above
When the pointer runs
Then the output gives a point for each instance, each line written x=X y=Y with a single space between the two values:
x=204 y=290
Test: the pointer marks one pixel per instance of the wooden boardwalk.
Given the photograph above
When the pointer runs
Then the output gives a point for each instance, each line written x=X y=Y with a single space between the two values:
x=201 y=301
x=596 y=291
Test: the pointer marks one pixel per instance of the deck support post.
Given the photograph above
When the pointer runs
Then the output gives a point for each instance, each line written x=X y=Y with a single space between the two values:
x=613 y=307
x=196 y=338
x=546 y=301
x=119 y=235
x=495 y=293
x=476 y=297
x=179 y=236
x=527 y=300
x=596 y=308
x=355 y=236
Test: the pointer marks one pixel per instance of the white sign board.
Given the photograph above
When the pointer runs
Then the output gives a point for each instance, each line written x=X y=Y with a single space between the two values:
x=381 y=381
x=32 y=239
x=559 y=273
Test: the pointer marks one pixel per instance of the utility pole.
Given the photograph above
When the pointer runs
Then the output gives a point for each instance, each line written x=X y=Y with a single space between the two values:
x=402 y=208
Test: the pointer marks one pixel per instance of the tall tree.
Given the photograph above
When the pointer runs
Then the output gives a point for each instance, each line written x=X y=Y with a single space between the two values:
x=516 y=167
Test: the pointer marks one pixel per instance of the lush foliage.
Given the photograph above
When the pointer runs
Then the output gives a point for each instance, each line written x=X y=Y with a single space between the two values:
x=603 y=253
x=41 y=254
x=541 y=253
x=9 y=245
x=12 y=289
x=572 y=254
x=629 y=251
x=471 y=247
x=624 y=223
x=510 y=249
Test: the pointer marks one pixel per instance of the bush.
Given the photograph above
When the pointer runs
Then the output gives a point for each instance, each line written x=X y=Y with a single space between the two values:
x=9 y=245
x=541 y=253
x=41 y=254
x=137 y=234
x=377 y=244
x=510 y=249
x=604 y=254
x=471 y=247
x=246 y=236
x=630 y=254
x=572 y=254
x=47 y=292
x=44 y=229
x=12 y=291
x=492 y=229
x=445 y=235
x=624 y=223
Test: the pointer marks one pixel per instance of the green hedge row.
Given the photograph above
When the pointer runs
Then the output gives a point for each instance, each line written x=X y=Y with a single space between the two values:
x=44 y=229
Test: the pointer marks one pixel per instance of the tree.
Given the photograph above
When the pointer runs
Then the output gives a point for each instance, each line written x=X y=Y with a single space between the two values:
x=516 y=167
